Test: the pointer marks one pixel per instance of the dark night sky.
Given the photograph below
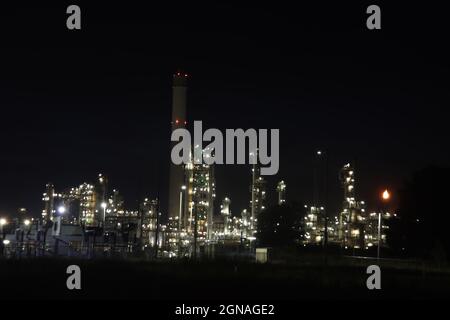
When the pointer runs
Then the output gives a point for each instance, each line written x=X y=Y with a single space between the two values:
x=98 y=100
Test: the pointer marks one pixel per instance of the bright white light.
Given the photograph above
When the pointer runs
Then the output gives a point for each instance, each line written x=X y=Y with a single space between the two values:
x=103 y=205
x=27 y=222
x=61 y=209
x=6 y=242
x=3 y=221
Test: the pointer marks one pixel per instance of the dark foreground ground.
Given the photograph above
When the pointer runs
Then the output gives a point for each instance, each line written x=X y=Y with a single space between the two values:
x=219 y=280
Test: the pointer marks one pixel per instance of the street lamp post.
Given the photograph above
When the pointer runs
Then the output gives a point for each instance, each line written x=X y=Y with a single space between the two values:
x=2 y=223
x=180 y=213
x=385 y=198
x=157 y=233
x=27 y=229
x=379 y=235
x=323 y=155
x=104 y=205
x=180 y=217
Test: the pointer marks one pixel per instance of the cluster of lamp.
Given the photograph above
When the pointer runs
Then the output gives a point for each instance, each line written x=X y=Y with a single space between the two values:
x=3 y=222
x=62 y=209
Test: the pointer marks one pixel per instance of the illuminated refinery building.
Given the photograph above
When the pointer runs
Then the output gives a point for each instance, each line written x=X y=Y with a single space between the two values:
x=200 y=197
x=245 y=226
x=49 y=202
x=148 y=220
x=191 y=189
x=90 y=209
x=371 y=228
x=281 y=190
x=226 y=214
x=192 y=227
x=227 y=228
x=352 y=219
x=313 y=225
x=258 y=198
x=88 y=201
x=84 y=205
x=57 y=205
x=353 y=227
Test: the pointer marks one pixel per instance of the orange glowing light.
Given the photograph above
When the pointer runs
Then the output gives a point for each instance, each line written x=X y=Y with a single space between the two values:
x=386 y=195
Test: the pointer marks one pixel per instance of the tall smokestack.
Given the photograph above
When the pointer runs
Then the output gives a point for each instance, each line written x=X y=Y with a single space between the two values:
x=178 y=121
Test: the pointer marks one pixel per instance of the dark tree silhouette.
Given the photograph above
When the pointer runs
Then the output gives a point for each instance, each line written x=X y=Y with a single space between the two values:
x=280 y=225
x=423 y=227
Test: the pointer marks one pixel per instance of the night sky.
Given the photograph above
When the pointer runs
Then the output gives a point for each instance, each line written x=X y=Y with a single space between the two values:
x=76 y=103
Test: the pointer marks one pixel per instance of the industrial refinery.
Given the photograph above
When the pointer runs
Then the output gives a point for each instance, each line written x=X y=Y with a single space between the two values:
x=92 y=218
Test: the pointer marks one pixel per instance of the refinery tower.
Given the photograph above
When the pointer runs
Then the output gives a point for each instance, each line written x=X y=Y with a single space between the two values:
x=176 y=181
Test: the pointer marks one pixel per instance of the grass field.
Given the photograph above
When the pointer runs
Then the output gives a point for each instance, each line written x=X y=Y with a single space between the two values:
x=314 y=278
